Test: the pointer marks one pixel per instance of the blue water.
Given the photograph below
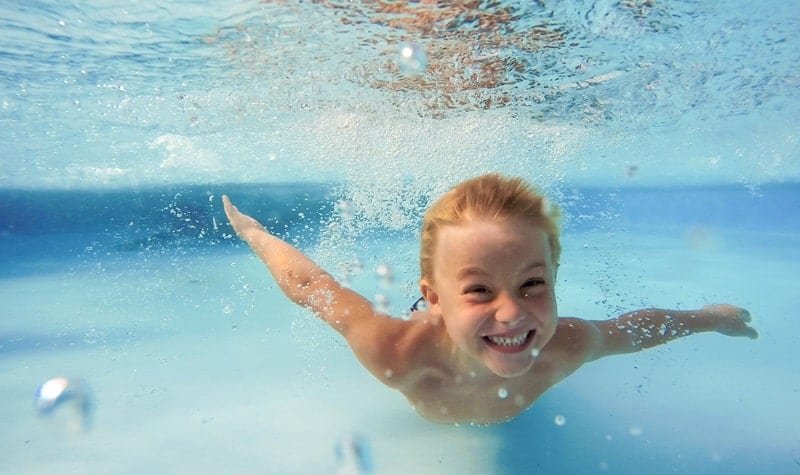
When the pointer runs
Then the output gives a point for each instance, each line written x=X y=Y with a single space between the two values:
x=667 y=132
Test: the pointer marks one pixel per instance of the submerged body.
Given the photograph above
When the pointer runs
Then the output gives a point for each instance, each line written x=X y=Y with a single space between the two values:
x=490 y=341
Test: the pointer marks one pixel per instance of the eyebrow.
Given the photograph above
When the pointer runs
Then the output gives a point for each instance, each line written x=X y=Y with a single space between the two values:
x=477 y=271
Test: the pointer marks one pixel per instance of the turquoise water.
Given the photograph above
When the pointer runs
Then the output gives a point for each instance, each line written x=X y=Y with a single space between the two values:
x=667 y=132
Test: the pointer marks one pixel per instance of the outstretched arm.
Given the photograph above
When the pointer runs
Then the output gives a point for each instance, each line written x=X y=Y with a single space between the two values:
x=641 y=329
x=379 y=341
x=300 y=278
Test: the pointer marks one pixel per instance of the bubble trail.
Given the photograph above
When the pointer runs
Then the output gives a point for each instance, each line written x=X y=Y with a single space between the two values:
x=59 y=391
x=353 y=455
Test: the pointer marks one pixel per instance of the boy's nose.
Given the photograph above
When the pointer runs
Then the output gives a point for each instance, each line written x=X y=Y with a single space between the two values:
x=509 y=311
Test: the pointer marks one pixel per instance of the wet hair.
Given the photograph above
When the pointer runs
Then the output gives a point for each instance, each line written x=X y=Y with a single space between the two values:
x=494 y=197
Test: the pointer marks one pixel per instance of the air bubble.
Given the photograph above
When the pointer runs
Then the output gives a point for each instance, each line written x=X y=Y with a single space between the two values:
x=519 y=400
x=502 y=393
x=411 y=59
x=560 y=420
x=384 y=272
x=382 y=303
x=358 y=266
x=345 y=209
x=58 y=391
x=535 y=352
x=353 y=454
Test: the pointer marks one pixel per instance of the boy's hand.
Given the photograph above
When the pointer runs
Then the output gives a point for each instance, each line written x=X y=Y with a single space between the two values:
x=730 y=320
x=240 y=222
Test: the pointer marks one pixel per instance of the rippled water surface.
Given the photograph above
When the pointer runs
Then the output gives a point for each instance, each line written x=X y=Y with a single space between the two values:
x=667 y=131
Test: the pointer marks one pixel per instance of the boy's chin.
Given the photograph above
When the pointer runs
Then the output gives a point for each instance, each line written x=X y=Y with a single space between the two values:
x=509 y=371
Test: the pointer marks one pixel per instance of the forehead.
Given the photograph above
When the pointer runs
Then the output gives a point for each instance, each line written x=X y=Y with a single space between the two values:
x=488 y=244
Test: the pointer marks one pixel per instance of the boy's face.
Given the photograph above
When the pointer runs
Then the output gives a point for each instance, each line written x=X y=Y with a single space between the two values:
x=494 y=291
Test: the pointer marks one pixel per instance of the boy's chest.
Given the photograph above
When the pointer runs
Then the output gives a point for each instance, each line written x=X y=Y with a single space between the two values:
x=460 y=400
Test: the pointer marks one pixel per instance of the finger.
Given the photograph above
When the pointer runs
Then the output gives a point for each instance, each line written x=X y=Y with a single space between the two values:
x=751 y=333
x=745 y=316
x=227 y=205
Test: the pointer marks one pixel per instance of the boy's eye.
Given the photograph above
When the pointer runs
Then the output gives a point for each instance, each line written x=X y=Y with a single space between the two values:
x=476 y=290
x=533 y=283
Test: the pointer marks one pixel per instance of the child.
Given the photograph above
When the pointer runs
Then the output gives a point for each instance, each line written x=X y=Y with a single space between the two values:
x=490 y=341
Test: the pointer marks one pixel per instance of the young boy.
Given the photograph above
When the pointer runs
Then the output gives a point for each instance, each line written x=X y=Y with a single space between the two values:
x=490 y=341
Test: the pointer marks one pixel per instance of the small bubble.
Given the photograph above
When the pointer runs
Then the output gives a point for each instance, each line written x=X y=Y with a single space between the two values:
x=345 y=209
x=560 y=420
x=388 y=373
x=635 y=431
x=411 y=60
x=535 y=352
x=384 y=272
x=519 y=400
x=354 y=454
x=382 y=303
x=60 y=391
x=357 y=267
x=502 y=393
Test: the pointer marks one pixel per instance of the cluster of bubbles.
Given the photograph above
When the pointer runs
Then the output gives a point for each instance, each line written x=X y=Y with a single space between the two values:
x=385 y=280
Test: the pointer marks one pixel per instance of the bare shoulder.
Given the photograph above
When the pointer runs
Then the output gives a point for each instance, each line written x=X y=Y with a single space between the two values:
x=571 y=345
x=572 y=334
x=394 y=350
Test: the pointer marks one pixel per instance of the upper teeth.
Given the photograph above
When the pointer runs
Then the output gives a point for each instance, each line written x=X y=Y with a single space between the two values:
x=508 y=340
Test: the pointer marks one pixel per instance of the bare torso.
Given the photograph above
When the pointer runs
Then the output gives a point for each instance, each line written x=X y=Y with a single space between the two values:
x=443 y=387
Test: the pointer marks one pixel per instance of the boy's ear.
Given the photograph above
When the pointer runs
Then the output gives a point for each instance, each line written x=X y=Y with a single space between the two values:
x=430 y=295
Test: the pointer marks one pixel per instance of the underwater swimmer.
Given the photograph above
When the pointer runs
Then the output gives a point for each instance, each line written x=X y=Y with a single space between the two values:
x=490 y=341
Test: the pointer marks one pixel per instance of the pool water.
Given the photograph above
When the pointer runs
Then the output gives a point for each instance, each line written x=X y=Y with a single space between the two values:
x=667 y=133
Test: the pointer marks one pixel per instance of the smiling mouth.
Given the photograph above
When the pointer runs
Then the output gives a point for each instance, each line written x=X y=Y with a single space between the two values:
x=509 y=344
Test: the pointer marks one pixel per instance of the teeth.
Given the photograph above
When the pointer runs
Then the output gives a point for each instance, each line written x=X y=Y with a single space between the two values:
x=508 y=341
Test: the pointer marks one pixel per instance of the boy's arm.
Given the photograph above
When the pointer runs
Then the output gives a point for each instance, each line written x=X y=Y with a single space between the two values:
x=642 y=329
x=376 y=339
x=300 y=278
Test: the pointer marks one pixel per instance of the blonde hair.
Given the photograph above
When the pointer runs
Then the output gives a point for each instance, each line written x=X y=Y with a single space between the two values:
x=495 y=197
